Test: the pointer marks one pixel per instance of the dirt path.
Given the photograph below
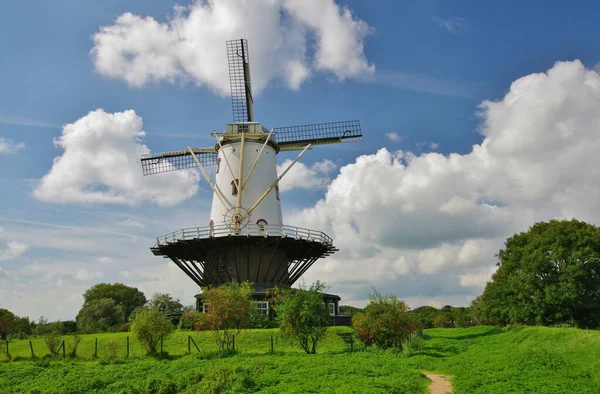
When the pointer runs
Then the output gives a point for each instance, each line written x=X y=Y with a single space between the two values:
x=440 y=384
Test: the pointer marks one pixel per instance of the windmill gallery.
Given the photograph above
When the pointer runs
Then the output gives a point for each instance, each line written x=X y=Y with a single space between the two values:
x=245 y=238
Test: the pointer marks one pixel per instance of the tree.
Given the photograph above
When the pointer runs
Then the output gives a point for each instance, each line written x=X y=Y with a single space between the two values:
x=150 y=326
x=165 y=303
x=7 y=323
x=385 y=323
x=349 y=310
x=424 y=315
x=230 y=310
x=99 y=315
x=23 y=326
x=303 y=316
x=547 y=275
x=127 y=297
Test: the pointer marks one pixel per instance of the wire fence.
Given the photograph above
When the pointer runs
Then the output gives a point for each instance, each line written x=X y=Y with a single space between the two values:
x=114 y=346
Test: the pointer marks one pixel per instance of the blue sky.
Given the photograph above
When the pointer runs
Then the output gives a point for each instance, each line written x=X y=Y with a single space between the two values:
x=435 y=63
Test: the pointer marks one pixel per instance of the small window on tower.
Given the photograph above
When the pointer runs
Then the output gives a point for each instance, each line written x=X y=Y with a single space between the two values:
x=218 y=164
x=277 y=192
x=261 y=226
x=234 y=187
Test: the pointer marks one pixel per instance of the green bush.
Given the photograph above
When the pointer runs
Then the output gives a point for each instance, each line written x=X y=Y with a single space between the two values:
x=385 y=323
x=53 y=342
x=303 y=316
x=150 y=326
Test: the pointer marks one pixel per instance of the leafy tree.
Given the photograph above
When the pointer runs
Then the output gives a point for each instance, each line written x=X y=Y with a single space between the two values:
x=303 y=316
x=547 y=275
x=229 y=311
x=462 y=317
x=99 y=315
x=165 y=303
x=424 y=315
x=127 y=297
x=385 y=323
x=7 y=323
x=150 y=326
x=23 y=327
x=349 y=310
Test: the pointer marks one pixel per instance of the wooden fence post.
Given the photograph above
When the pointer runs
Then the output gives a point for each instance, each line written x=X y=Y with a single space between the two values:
x=232 y=338
x=64 y=351
x=161 y=345
x=351 y=344
x=31 y=348
x=7 y=352
x=189 y=345
x=127 y=345
x=271 y=344
x=96 y=348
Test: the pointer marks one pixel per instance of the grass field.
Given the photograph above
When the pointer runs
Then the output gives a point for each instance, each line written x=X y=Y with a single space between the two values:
x=480 y=359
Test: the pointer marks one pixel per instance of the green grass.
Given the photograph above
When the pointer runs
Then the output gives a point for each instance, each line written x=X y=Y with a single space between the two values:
x=480 y=360
x=248 y=341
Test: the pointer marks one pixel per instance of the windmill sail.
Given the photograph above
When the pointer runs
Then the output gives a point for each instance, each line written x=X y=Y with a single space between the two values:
x=239 y=79
x=156 y=163
x=297 y=137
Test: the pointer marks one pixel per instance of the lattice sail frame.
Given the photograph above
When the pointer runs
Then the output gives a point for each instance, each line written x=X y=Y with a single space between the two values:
x=156 y=163
x=239 y=78
x=296 y=137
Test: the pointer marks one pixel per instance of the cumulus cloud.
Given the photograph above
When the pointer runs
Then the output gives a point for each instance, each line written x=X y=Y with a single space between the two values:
x=101 y=164
x=289 y=40
x=447 y=215
x=10 y=250
x=394 y=137
x=301 y=176
x=9 y=146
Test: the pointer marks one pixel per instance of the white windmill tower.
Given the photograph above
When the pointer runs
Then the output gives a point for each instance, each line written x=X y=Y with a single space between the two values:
x=246 y=238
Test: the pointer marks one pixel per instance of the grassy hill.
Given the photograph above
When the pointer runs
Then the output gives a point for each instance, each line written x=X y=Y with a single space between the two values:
x=480 y=359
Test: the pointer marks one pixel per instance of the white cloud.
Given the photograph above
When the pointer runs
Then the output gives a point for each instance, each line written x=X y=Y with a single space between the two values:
x=8 y=146
x=85 y=275
x=394 y=137
x=302 y=177
x=434 y=145
x=191 y=45
x=131 y=223
x=101 y=164
x=105 y=259
x=454 y=25
x=477 y=278
x=10 y=250
x=447 y=215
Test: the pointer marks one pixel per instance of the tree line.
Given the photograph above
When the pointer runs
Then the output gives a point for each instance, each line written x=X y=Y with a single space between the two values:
x=548 y=275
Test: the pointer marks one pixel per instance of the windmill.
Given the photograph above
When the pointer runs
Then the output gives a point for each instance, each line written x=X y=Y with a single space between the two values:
x=245 y=238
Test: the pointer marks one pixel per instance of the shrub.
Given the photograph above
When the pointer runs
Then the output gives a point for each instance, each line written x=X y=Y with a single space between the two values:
x=150 y=326
x=113 y=350
x=385 y=322
x=229 y=311
x=303 y=316
x=202 y=322
x=188 y=320
x=53 y=342
x=73 y=344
